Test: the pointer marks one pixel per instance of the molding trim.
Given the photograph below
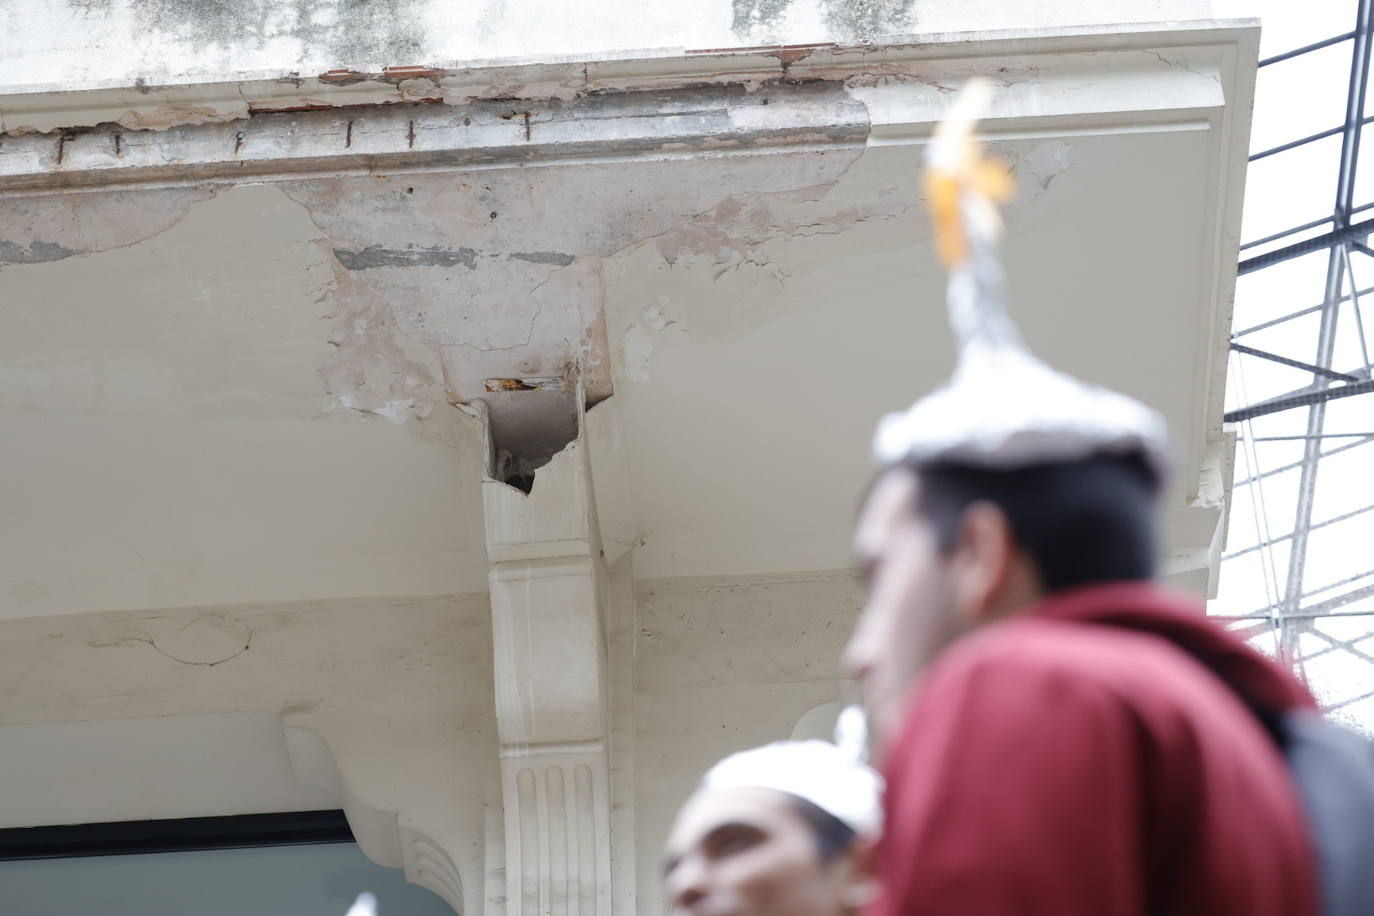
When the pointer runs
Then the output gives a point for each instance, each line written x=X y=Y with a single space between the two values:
x=688 y=105
x=44 y=108
x=384 y=835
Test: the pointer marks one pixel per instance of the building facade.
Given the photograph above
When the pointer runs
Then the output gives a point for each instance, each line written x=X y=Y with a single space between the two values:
x=455 y=413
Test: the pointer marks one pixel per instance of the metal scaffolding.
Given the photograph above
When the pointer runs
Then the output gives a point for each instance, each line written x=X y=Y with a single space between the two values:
x=1325 y=628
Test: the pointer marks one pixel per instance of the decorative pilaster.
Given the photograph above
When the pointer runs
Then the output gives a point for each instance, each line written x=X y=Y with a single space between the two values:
x=546 y=597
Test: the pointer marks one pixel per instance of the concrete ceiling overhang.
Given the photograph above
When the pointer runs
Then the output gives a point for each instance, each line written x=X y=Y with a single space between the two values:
x=232 y=345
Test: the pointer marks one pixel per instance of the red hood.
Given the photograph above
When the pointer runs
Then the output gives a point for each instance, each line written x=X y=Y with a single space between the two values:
x=1181 y=619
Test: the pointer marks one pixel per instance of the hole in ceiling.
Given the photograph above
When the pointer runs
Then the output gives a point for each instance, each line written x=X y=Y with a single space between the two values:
x=531 y=420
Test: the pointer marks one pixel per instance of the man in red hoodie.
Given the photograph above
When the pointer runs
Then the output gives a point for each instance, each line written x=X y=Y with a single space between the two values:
x=1069 y=745
x=1059 y=736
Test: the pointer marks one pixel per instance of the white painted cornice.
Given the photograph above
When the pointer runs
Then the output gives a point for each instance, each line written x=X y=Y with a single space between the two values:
x=683 y=103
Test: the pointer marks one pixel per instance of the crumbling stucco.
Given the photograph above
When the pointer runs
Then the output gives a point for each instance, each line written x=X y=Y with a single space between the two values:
x=431 y=283
x=375 y=369
x=351 y=299
x=500 y=272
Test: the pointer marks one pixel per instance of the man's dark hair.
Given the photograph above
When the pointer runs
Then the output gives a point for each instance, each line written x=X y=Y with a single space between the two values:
x=1083 y=521
x=833 y=836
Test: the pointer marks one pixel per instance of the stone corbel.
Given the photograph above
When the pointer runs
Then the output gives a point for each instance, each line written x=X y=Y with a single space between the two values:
x=547 y=581
x=384 y=836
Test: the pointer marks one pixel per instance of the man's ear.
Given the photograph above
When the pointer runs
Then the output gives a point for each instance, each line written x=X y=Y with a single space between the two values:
x=985 y=555
x=861 y=882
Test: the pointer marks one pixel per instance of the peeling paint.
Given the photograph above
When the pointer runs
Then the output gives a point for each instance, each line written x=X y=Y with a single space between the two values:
x=375 y=369
x=637 y=345
x=530 y=303
x=728 y=235
x=172 y=114
x=1046 y=161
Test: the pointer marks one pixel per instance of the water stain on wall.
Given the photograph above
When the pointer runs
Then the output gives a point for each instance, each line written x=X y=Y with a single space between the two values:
x=845 y=20
x=358 y=33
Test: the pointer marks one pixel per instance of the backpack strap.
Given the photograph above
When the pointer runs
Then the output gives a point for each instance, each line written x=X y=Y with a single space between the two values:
x=1333 y=771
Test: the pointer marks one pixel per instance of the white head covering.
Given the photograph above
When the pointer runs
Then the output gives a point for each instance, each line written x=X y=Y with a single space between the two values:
x=833 y=777
x=365 y=905
x=1003 y=408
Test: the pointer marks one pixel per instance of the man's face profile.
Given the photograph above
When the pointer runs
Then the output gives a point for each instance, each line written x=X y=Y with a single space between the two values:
x=909 y=615
x=748 y=852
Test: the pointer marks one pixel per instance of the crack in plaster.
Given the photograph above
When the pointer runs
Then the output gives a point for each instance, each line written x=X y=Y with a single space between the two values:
x=183 y=648
x=247 y=644
x=529 y=337
x=1179 y=64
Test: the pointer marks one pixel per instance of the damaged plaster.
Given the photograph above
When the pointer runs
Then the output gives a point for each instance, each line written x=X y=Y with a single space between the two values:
x=747 y=248
x=1046 y=161
x=375 y=369
x=36 y=230
x=434 y=256
x=499 y=273
x=637 y=343
x=430 y=283
x=162 y=46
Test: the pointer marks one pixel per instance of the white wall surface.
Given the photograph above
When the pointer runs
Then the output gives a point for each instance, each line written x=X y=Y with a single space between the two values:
x=199 y=384
x=170 y=438
x=722 y=664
